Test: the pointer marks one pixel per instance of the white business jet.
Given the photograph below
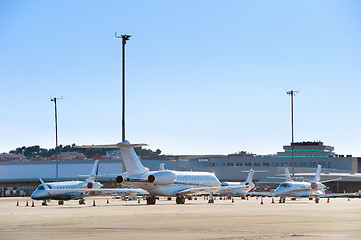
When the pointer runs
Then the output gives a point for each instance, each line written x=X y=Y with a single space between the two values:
x=74 y=190
x=296 y=189
x=163 y=182
x=240 y=188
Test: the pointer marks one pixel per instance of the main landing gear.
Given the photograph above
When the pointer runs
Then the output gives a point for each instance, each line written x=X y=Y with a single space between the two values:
x=282 y=200
x=60 y=202
x=81 y=201
x=44 y=203
x=151 y=200
x=180 y=200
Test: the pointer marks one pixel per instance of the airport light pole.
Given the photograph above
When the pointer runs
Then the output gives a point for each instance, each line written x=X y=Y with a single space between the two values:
x=292 y=93
x=124 y=38
x=56 y=138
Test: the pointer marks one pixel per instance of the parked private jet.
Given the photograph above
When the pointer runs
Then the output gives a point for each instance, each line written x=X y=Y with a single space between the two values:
x=312 y=189
x=74 y=190
x=241 y=188
x=163 y=182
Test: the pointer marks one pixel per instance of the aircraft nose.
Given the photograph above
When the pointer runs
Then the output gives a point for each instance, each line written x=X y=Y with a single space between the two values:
x=35 y=195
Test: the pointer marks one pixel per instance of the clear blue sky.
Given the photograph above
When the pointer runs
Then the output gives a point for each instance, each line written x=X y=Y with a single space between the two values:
x=202 y=76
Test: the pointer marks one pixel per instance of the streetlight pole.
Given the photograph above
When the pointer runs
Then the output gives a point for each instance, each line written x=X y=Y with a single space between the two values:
x=292 y=93
x=56 y=138
x=124 y=38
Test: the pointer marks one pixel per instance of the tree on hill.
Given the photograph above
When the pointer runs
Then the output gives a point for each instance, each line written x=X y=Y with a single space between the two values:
x=36 y=151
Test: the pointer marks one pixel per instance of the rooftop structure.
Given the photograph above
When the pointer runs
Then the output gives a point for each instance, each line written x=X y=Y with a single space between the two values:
x=307 y=149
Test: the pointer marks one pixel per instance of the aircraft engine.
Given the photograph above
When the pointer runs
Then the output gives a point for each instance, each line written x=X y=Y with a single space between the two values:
x=315 y=185
x=162 y=177
x=119 y=179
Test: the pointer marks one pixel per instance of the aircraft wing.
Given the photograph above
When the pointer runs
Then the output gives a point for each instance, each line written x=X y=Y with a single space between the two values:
x=116 y=190
x=205 y=189
x=261 y=194
x=270 y=194
x=190 y=191
x=326 y=195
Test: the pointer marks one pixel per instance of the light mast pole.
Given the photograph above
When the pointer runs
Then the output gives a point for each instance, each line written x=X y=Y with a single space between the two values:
x=124 y=38
x=56 y=138
x=292 y=93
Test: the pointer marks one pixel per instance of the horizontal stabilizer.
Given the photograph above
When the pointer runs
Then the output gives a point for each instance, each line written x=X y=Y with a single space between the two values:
x=119 y=145
x=330 y=180
x=98 y=146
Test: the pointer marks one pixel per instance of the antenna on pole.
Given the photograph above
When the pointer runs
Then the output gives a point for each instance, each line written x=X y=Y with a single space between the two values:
x=292 y=93
x=56 y=136
x=124 y=38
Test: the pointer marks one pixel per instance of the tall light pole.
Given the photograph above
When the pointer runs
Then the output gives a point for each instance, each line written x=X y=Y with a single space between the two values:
x=292 y=93
x=56 y=137
x=124 y=38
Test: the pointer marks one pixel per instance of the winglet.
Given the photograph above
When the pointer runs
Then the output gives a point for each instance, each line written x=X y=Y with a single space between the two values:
x=44 y=185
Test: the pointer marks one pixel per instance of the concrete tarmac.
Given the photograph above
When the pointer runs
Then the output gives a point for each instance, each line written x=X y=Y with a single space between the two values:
x=243 y=219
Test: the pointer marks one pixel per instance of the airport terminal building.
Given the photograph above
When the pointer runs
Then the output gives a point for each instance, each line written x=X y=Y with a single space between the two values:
x=18 y=176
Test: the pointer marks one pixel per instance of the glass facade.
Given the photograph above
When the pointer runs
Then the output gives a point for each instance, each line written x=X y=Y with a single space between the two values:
x=305 y=150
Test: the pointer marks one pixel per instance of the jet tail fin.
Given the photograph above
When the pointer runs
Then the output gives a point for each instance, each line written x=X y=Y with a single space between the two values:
x=318 y=174
x=130 y=158
x=287 y=174
x=94 y=173
x=250 y=176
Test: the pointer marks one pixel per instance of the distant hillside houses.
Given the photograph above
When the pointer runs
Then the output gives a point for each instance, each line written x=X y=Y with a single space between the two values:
x=11 y=157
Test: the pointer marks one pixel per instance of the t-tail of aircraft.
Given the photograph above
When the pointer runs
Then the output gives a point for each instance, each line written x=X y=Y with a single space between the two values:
x=287 y=174
x=250 y=176
x=130 y=158
x=318 y=174
x=94 y=173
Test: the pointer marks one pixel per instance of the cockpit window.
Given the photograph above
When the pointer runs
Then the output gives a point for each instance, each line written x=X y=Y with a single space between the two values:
x=285 y=185
x=41 y=187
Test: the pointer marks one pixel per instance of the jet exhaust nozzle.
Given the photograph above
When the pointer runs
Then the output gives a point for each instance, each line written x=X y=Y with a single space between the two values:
x=119 y=179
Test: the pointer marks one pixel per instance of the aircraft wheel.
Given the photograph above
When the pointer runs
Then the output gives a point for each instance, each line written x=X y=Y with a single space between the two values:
x=183 y=200
x=317 y=200
x=151 y=200
x=81 y=201
x=178 y=200
x=60 y=202
x=284 y=200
